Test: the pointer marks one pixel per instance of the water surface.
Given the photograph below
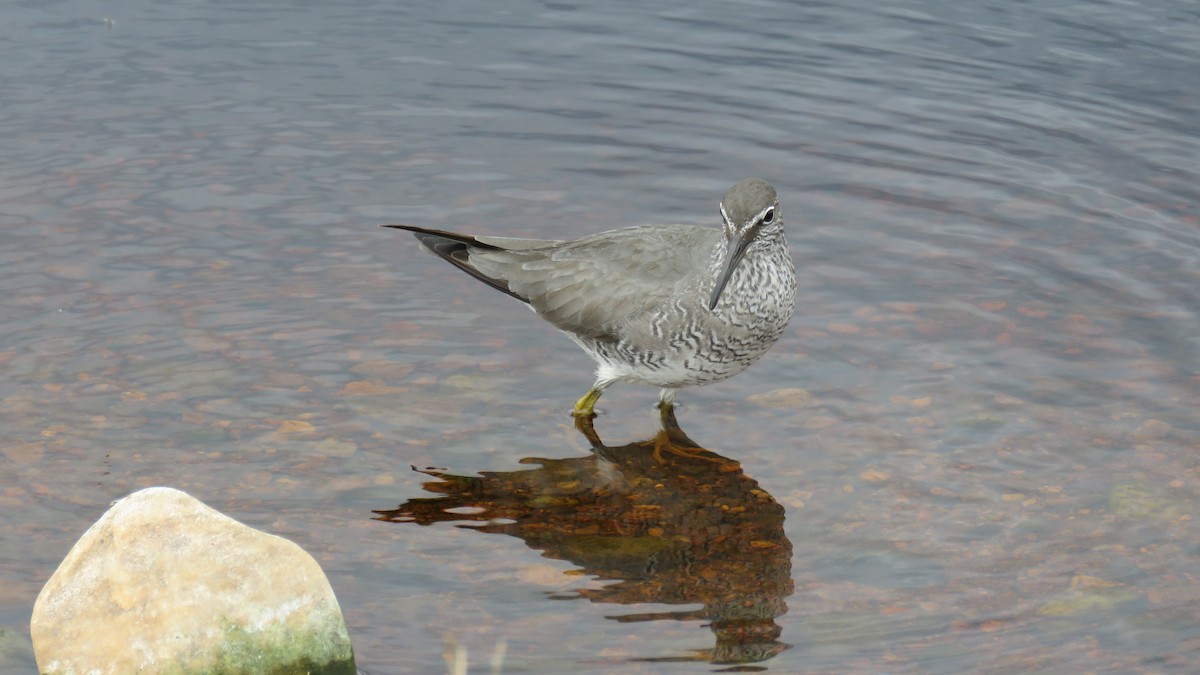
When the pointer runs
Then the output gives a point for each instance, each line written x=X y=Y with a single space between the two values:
x=980 y=425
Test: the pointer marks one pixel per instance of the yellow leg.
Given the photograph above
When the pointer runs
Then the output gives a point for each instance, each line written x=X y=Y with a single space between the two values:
x=586 y=406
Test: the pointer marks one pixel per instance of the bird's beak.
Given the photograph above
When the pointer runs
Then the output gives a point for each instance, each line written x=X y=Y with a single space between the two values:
x=733 y=255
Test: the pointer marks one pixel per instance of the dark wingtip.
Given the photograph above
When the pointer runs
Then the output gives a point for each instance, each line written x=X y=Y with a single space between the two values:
x=456 y=249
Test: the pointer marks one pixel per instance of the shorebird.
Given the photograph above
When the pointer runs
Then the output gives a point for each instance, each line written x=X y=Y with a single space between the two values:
x=665 y=305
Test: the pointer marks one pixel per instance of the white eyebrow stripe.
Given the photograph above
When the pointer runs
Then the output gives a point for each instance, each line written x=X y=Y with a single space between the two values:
x=763 y=213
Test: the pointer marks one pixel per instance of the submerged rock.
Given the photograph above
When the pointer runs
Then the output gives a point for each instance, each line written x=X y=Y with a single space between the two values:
x=163 y=583
x=1088 y=596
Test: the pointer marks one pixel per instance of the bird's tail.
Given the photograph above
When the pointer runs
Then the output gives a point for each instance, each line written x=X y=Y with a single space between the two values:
x=456 y=249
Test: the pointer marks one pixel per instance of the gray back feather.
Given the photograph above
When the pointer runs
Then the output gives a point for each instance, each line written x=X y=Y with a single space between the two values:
x=595 y=284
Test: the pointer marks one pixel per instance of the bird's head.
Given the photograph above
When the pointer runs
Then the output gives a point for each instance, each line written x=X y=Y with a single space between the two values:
x=749 y=210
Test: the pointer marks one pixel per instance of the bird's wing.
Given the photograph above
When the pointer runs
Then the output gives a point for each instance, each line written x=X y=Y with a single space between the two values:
x=594 y=285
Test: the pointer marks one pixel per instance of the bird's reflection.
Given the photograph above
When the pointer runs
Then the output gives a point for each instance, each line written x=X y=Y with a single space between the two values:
x=668 y=521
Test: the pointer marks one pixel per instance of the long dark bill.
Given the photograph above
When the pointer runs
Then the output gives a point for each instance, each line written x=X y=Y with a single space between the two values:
x=733 y=255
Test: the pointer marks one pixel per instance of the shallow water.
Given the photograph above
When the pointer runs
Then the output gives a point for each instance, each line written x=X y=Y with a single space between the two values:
x=980 y=425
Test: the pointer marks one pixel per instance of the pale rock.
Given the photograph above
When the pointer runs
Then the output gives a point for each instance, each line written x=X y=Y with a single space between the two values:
x=163 y=583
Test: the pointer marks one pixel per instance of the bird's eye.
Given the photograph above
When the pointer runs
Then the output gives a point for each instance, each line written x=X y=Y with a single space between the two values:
x=768 y=216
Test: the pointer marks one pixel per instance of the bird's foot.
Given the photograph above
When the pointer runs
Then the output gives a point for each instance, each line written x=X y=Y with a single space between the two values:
x=664 y=443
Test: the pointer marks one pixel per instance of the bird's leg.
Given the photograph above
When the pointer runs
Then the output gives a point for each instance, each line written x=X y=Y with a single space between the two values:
x=586 y=406
x=666 y=408
x=666 y=415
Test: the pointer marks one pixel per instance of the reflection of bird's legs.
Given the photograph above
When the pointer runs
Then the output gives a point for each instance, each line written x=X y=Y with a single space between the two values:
x=583 y=424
